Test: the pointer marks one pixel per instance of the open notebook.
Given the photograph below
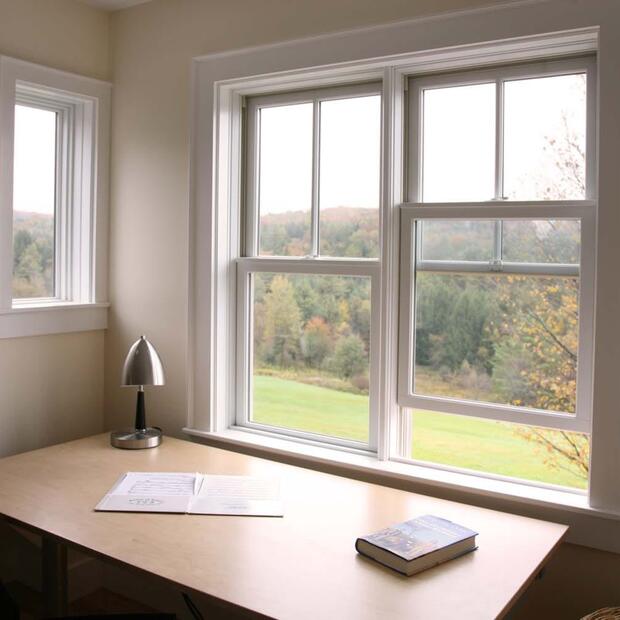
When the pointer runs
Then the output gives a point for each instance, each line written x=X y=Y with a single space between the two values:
x=194 y=493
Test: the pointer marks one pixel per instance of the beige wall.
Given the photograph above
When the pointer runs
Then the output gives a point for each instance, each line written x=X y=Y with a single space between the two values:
x=51 y=387
x=64 y=34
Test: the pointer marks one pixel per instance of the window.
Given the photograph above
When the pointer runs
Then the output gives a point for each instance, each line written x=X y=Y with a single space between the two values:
x=497 y=271
x=497 y=247
x=55 y=152
x=308 y=280
x=501 y=231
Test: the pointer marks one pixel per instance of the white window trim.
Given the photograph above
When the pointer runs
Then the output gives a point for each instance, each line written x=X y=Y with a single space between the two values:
x=82 y=213
x=396 y=50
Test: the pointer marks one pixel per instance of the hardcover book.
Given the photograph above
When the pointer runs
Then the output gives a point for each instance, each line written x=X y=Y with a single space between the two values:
x=414 y=546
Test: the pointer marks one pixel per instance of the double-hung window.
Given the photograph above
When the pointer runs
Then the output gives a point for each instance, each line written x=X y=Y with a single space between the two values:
x=497 y=270
x=308 y=275
x=403 y=262
x=495 y=299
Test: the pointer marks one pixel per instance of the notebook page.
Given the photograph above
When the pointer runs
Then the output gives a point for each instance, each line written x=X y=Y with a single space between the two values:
x=238 y=495
x=151 y=492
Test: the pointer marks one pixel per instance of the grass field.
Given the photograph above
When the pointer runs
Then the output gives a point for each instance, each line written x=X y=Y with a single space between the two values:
x=483 y=445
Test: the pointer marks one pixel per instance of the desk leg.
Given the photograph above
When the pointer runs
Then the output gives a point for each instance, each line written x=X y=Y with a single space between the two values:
x=54 y=577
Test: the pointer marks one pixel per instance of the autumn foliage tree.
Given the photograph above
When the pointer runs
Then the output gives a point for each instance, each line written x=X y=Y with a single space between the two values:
x=546 y=315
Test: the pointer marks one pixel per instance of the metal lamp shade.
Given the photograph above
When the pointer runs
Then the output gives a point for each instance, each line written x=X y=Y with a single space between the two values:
x=142 y=365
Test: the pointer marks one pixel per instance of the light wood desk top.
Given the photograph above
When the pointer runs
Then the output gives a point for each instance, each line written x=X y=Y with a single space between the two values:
x=301 y=566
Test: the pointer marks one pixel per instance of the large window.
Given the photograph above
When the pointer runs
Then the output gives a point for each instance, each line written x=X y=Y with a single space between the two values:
x=400 y=261
x=53 y=137
x=308 y=280
x=497 y=271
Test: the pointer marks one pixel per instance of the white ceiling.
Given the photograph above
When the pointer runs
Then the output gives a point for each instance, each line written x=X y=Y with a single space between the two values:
x=113 y=5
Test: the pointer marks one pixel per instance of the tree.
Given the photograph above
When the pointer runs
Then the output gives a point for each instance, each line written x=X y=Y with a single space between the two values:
x=350 y=358
x=546 y=317
x=536 y=365
x=282 y=324
x=316 y=342
x=466 y=334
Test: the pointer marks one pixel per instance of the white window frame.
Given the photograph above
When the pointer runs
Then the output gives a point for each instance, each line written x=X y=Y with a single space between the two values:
x=463 y=40
x=499 y=208
x=81 y=217
x=251 y=262
x=244 y=388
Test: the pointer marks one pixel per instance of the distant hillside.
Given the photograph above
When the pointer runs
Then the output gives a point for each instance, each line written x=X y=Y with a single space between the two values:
x=33 y=254
x=344 y=231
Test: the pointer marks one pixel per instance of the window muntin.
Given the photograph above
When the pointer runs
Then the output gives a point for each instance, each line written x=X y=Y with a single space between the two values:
x=35 y=191
x=307 y=321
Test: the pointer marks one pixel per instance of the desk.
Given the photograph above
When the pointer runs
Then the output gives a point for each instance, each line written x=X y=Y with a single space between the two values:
x=301 y=566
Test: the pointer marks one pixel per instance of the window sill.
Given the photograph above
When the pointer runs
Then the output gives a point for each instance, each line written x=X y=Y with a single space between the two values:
x=589 y=526
x=51 y=317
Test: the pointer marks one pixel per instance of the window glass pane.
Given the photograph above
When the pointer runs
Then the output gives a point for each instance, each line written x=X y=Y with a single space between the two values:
x=34 y=202
x=458 y=152
x=458 y=240
x=311 y=338
x=506 y=339
x=285 y=180
x=529 y=453
x=349 y=177
x=545 y=138
x=541 y=241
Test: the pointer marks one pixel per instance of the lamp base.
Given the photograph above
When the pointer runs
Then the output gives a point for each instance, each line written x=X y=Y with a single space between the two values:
x=134 y=439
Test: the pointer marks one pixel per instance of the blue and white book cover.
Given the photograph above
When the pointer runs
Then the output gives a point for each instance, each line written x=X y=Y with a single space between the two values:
x=419 y=537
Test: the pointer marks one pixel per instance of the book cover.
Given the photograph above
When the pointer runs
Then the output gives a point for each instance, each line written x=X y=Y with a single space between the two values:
x=419 y=537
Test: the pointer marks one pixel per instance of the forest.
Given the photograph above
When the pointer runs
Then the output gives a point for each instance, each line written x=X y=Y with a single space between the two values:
x=489 y=337
x=33 y=255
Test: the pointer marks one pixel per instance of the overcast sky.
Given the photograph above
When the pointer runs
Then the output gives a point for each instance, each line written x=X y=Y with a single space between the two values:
x=459 y=144
x=459 y=125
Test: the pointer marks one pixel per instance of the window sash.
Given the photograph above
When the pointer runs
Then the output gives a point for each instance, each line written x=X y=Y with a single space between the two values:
x=584 y=211
x=499 y=208
x=62 y=211
x=500 y=75
x=314 y=264
x=254 y=106
x=243 y=385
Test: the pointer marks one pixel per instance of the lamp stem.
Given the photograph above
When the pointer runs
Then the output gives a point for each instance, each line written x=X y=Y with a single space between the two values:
x=140 y=411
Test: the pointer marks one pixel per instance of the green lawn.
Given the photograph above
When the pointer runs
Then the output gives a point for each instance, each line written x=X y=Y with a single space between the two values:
x=449 y=439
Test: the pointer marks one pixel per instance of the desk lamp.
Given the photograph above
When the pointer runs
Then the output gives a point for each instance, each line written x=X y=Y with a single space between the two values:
x=142 y=367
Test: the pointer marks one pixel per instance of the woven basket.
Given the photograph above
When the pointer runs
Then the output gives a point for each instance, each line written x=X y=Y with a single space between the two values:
x=607 y=613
